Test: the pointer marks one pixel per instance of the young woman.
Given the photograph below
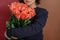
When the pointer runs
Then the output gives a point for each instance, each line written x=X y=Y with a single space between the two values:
x=33 y=31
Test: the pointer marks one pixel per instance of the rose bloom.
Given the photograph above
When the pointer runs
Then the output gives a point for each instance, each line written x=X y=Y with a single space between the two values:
x=21 y=11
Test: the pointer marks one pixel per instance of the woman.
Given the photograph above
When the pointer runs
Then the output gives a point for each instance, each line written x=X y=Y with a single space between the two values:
x=33 y=31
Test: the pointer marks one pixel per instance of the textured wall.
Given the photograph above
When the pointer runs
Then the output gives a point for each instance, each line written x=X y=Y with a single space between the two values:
x=4 y=15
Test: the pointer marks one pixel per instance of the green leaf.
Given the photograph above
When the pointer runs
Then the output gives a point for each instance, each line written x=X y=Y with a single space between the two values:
x=13 y=21
x=12 y=26
x=7 y=24
x=27 y=22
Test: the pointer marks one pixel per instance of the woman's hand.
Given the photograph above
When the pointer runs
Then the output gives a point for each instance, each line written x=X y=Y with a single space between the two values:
x=6 y=36
x=14 y=37
x=9 y=38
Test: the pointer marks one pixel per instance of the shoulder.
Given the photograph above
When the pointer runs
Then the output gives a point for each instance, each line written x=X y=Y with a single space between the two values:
x=41 y=11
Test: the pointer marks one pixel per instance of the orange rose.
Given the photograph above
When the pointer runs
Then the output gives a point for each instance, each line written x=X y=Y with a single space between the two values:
x=24 y=16
x=21 y=11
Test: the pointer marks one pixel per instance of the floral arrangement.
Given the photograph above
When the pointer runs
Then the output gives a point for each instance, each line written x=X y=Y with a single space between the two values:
x=20 y=15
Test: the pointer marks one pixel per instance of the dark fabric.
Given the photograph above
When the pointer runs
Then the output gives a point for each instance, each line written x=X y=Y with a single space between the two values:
x=34 y=30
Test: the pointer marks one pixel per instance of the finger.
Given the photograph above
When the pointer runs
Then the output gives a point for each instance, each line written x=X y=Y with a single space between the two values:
x=7 y=36
x=14 y=37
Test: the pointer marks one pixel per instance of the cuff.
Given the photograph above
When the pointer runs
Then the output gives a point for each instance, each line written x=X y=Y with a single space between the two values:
x=8 y=33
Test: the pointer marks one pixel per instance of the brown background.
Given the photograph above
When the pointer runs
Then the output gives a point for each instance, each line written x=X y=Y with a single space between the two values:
x=52 y=29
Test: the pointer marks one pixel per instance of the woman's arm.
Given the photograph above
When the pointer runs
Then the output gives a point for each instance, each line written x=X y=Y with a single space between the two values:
x=32 y=29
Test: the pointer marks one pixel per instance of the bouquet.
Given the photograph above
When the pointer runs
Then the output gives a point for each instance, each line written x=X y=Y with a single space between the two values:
x=20 y=15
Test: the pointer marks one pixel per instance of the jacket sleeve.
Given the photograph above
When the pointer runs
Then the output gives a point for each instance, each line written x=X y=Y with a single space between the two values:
x=35 y=27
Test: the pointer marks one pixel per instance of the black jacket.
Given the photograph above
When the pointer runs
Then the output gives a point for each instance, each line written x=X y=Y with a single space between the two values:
x=34 y=30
